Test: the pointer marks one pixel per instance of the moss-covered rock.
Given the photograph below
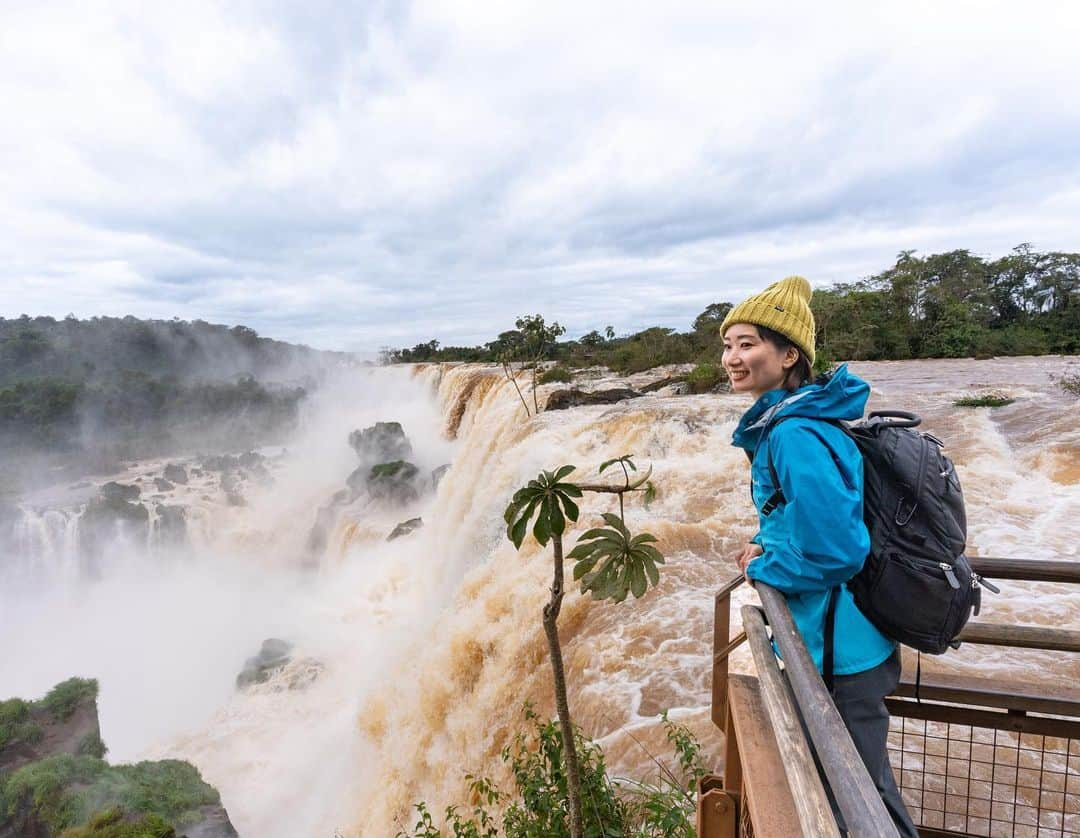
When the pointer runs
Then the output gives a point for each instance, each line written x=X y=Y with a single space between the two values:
x=65 y=721
x=60 y=792
x=381 y=442
x=394 y=482
x=54 y=780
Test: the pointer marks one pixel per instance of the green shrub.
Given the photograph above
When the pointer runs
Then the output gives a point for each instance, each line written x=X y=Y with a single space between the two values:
x=554 y=374
x=392 y=469
x=67 y=791
x=704 y=377
x=112 y=823
x=987 y=400
x=540 y=807
x=1069 y=382
x=16 y=725
x=92 y=746
x=61 y=700
x=43 y=790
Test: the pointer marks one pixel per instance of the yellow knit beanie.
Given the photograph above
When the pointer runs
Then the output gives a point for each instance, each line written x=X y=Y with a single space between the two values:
x=783 y=307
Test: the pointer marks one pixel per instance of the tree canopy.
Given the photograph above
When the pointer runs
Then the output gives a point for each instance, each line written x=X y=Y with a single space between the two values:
x=945 y=305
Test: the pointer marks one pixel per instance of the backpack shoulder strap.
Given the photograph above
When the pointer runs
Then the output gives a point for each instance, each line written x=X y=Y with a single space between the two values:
x=777 y=497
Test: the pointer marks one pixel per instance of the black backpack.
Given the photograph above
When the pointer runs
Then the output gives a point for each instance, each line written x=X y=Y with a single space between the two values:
x=917 y=586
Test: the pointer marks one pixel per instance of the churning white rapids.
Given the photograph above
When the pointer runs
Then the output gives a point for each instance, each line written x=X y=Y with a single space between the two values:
x=412 y=658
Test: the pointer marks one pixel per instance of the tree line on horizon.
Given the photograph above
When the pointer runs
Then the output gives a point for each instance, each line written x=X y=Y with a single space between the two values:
x=946 y=305
x=110 y=388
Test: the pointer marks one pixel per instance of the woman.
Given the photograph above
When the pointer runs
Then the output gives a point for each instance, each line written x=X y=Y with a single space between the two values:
x=812 y=539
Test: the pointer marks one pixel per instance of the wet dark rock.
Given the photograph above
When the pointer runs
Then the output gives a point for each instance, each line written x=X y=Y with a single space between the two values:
x=405 y=527
x=163 y=485
x=251 y=459
x=357 y=481
x=393 y=482
x=261 y=475
x=229 y=482
x=339 y=497
x=382 y=442
x=273 y=656
x=176 y=473
x=660 y=384
x=223 y=463
x=438 y=474
x=171 y=525
x=563 y=399
x=109 y=519
x=234 y=498
x=118 y=492
x=325 y=519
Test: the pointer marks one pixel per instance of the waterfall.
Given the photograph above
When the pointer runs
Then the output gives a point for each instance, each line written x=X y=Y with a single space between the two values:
x=431 y=643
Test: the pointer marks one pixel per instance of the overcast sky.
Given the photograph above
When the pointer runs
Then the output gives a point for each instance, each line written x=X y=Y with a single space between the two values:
x=354 y=175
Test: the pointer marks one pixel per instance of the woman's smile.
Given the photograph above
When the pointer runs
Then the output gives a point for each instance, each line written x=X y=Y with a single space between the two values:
x=753 y=365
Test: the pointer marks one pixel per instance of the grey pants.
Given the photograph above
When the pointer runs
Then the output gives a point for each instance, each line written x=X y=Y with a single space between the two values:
x=860 y=700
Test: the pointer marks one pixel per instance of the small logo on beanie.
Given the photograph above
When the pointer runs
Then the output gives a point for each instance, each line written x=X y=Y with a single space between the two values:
x=779 y=309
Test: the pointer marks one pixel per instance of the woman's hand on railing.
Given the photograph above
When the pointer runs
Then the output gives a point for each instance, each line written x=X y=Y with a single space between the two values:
x=750 y=552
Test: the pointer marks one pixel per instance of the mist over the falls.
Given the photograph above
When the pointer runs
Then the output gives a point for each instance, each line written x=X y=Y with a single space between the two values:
x=410 y=659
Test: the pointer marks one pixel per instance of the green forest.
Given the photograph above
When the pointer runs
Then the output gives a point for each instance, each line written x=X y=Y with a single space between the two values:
x=109 y=388
x=946 y=305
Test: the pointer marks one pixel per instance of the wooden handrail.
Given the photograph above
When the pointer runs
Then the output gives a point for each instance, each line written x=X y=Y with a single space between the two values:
x=1021 y=637
x=807 y=792
x=855 y=794
x=1029 y=570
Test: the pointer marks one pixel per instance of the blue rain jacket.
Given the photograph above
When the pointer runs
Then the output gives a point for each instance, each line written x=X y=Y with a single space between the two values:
x=816 y=540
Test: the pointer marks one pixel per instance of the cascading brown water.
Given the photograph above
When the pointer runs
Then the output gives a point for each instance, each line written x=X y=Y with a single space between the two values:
x=432 y=643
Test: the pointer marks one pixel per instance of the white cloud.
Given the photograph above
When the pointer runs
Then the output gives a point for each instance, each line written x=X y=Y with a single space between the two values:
x=356 y=175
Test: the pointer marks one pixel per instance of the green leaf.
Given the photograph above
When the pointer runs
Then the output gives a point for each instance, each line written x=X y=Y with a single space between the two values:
x=650 y=494
x=581 y=551
x=607 y=463
x=516 y=533
x=570 y=507
x=652 y=570
x=583 y=567
x=638 y=584
x=597 y=532
x=652 y=553
x=571 y=489
x=562 y=472
x=643 y=538
x=555 y=516
x=617 y=522
x=542 y=527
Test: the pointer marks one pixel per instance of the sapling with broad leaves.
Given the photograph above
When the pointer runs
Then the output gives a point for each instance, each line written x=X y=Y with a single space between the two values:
x=611 y=563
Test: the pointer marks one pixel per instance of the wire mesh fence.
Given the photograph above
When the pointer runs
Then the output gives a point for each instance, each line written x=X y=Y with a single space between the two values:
x=984 y=781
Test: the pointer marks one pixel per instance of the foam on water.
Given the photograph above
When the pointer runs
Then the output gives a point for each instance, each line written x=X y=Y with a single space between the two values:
x=431 y=644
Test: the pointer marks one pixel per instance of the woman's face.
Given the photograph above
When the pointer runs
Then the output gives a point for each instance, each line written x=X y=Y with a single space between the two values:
x=754 y=365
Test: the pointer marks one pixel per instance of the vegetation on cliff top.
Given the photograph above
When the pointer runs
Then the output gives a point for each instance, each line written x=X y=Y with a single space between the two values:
x=80 y=794
x=64 y=791
x=946 y=305
x=17 y=722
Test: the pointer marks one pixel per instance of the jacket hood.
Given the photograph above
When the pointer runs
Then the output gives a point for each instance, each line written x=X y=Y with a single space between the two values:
x=837 y=396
